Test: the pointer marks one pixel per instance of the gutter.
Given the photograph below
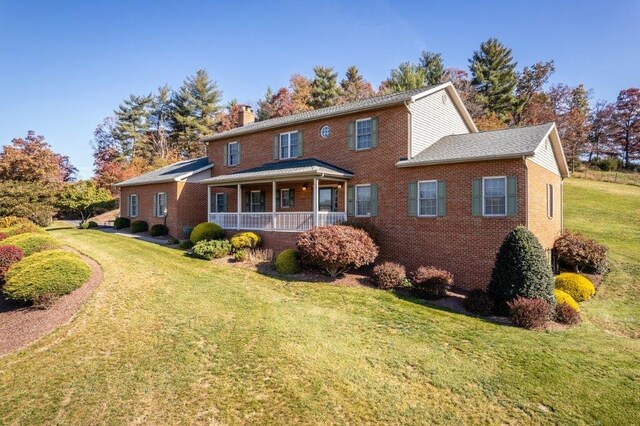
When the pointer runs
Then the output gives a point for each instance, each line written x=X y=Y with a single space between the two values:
x=403 y=164
x=410 y=128
x=526 y=185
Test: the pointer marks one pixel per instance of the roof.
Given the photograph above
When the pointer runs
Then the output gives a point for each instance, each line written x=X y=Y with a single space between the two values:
x=505 y=143
x=308 y=167
x=172 y=173
x=365 y=104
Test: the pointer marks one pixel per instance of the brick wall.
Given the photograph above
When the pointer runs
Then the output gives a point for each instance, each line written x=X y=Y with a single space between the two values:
x=545 y=228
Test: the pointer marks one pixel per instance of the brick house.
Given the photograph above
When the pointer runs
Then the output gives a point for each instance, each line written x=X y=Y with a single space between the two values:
x=412 y=163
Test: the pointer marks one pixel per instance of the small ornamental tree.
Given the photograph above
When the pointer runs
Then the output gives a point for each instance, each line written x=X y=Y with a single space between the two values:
x=83 y=198
x=336 y=248
x=521 y=269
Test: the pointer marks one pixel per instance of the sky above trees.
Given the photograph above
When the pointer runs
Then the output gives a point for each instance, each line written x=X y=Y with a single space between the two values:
x=66 y=66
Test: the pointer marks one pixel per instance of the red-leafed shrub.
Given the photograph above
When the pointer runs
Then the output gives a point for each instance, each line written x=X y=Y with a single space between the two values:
x=8 y=256
x=430 y=282
x=529 y=313
x=565 y=314
x=479 y=302
x=2 y=236
x=389 y=275
x=581 y=254
x=336 y=248
x=366 y=226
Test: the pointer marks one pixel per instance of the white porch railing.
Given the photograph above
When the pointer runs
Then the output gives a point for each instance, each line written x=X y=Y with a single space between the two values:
x=280 y=221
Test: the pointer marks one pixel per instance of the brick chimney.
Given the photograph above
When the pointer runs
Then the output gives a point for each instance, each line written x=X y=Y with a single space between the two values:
x=246 y=116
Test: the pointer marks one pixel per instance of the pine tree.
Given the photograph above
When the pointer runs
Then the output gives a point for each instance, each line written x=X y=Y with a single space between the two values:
x=493 y=76
x=325 y=91
x=433 y=67
x=407 y=76
x=132 y=123
x=354 y=87
x=195 y=106
x=264 y=111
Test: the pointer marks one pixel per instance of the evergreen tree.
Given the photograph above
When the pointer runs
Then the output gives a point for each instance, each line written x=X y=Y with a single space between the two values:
x=493 y=76
x=264 y=111
x=433 y=67
x=529 y=83
x=406 y=77
x=195 y=106
x=132 y=123
x=325 y=91
x=354 y=87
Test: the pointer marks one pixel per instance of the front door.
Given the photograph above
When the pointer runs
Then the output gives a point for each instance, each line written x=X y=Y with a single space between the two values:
x=327 y=200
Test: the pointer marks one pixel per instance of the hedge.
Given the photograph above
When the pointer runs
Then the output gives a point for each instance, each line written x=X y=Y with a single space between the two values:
x=121 y=223
x=138 y=226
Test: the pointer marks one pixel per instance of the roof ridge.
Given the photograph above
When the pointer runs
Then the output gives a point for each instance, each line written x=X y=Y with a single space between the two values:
x=509 y=128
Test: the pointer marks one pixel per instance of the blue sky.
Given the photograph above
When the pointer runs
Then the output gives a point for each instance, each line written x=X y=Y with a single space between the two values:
x=64 y=66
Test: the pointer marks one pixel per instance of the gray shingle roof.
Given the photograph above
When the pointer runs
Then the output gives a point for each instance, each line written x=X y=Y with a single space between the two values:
x=365 y=104
x=170 y=173
x=505 y=143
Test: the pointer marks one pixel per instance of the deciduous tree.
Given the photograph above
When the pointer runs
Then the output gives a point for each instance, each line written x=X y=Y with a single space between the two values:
x=275 y=105
x=300 y=92
x=626 y=124
x=84 y=198
x=530 y=82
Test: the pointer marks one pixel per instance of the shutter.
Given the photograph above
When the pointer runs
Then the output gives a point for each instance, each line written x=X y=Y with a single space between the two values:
x=276 y=147
x=442 y=198
x=351 y=195
x=512 y=198
x=292 y=193
x=263 y=198
x=247 y=201
x=374 y=199
x=300 y=142
x=476 y=198
x=413 y=199
x=278 y=194
x=225 y=155
x=225 y=202
x=155 y=206
x=238 y=145
x=352 y=135
x=374 y=132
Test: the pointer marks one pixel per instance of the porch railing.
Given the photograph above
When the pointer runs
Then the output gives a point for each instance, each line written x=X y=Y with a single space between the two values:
x=280 y=221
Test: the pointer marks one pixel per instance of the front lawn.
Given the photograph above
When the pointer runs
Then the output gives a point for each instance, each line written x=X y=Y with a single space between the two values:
x=170 y=339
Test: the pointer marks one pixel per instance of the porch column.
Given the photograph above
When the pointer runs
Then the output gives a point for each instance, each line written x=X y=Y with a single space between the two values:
x=346 y=200
x=238 y=207
x=209 y=203
x=315 y=202
x=273 y=205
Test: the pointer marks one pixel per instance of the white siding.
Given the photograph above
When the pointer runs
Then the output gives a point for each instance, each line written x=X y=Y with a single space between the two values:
x=433 y=117
x=199 y=176
x=544 y=156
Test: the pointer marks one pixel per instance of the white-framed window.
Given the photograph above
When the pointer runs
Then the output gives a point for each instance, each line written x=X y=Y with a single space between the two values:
x=220 y=207
x=256 y=201
x=285 y=198
x=428 y=198
x=232 y=154
x=364 y=128
x=161 y=204
x=494 y=196
x=133 y=205
x=289 y=145
x=549 y=200
x=363 y=200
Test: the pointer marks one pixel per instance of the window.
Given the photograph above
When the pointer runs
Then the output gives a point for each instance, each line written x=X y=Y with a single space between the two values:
x=133 y=205
x=364 y=128
x=495 y=196
x=220 y=207
x=233 y=156
x=325 y=132
x=256 y=202
x=161 y=204
x=363 y=200
x=288 y=145
x=549 y=200
x=285 y=198
x=428 y=198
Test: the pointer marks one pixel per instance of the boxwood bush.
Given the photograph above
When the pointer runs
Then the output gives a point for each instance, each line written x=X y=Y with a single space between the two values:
x=564 y=298
x=121 y=223
x=243 y=240
x=44 y=275
x=211 y=249
x=8 y=256
x=31 y=243
x=159 y=230
x=206 y=231
x=578 y=287
x=288 y=262
x=388 y=275
x=139 y=226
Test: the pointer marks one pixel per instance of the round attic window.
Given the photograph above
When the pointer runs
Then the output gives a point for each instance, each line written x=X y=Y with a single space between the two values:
x=325 y=131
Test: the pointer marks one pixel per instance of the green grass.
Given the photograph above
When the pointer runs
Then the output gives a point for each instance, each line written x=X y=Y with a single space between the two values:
x=170 y=339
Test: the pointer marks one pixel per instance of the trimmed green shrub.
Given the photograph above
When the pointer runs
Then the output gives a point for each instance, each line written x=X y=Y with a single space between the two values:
x=529 y=313
x=243 y=240
x=211 y=249
x=139 y=226
x=206 y=231
x=185 y=245
x=581 y=254
x=577 y=286
x=389 y=275
x=88 y=225
x=159 y=230
x=240 y=255
x=31 y=243
x=430 y=282
x=44 y=275
x=521 y=269
x=288 y=262
x=121 y=223
x=8 y=256
x=565 y=314
x=564 y=298
x=172 y=241
x=479 y=302
x=366 y=226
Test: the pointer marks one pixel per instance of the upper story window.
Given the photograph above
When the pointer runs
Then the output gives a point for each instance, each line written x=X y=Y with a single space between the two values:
x=161 y=204
x=494 y=196
x=428 y=198
x=289 y=145
x=364 y=129
x=233 y=156
x=133 y=205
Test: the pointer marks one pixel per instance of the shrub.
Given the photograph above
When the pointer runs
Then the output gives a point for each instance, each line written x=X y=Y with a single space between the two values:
x=529 y=313
x=206 y=231
x=578 y=287
x=172 y=241
x=19 y=225
x=3 y=236
x=243 y=240
x=88 y=225
x=186 y=230
x=430 y=282
x=580 y=254
x=32 y=242
x=336 y=248
x=366 y=226
x=564 y=298
x=211 y=249
x=159 y=230
x=139 y=226
x=44 y=275
x=389 y=275
x=8 y=256
x=240 y=255
x=521 y=269
x=121 y=223
x=257 y=256
x=185 y=245
x=288 y=262
x=565 y=314
x=9 y=221
x=479 y=302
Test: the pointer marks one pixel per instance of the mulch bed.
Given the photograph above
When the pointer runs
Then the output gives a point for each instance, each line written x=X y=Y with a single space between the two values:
x=21 y=324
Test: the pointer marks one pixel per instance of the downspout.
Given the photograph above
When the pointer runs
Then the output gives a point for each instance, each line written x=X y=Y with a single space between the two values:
x=409 y=125
x=526 y=185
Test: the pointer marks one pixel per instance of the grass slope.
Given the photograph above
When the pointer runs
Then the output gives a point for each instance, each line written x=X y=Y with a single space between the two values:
x=169 y=339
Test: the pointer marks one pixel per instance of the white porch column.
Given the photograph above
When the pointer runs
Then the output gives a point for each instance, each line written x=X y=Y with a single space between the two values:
x=238 y=207
x=315 y=202
x=209 y=203
x=273 y=205
x=346 y=200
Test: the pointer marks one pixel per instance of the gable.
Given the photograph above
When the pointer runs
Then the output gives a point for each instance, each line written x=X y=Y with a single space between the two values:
x=545 y=157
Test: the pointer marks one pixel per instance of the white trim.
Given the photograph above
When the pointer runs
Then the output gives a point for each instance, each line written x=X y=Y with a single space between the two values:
x=229 y=154
x=505 y=196
x=355 y=132
x=251 y=201
x=288 y=146
x=156 y=204
x=218 y=194
x=355 y=200
x=137 y=205
x=282 y=198
x=418 y=197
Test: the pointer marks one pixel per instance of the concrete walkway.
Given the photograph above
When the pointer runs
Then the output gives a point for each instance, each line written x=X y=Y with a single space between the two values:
x=156 y=240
